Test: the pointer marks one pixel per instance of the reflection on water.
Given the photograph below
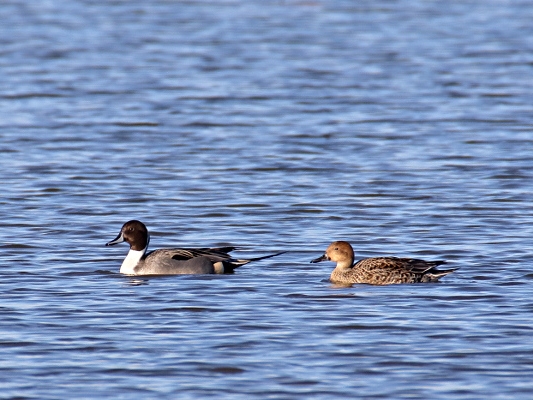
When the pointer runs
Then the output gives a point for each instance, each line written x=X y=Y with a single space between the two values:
x=403 y=128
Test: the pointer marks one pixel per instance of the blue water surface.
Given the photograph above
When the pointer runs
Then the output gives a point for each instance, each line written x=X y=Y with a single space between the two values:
x=403 y=127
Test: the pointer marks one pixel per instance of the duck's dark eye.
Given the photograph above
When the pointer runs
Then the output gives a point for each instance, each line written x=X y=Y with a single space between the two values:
x=336 y=248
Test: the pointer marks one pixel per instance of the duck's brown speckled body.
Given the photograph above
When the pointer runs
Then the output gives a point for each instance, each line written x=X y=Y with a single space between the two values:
x=379 y=270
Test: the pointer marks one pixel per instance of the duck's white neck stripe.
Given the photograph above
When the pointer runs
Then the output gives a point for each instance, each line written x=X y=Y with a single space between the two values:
x=131 y=261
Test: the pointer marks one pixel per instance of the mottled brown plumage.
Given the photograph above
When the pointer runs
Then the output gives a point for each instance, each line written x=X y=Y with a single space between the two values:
x=379 y=270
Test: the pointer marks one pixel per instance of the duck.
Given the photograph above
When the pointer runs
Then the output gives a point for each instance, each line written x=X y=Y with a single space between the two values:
x=379 y=270
x=176 y=261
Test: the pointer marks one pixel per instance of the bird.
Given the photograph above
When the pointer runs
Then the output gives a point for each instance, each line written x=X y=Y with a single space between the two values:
x=379 y=270
x=176 y=261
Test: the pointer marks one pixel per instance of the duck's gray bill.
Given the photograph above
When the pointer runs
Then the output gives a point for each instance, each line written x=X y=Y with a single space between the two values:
x=118 y=239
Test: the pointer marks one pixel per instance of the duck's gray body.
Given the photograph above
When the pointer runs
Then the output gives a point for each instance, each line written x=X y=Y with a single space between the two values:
x=177 y=261
x=160 y=262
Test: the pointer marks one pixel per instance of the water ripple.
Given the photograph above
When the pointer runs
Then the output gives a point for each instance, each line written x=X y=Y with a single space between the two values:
x=403 y=128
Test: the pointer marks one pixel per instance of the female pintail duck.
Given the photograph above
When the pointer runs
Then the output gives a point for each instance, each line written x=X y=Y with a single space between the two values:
x=173 y=261
x=379 y=270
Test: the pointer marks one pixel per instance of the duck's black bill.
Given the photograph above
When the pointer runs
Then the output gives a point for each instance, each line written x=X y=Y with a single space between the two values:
x=323 y=258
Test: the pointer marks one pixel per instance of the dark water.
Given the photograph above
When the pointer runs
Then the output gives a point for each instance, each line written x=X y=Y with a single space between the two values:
x=403 y=127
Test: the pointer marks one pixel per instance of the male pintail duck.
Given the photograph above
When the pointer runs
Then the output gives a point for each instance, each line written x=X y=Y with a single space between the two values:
x=173 y=261
x=379 y=270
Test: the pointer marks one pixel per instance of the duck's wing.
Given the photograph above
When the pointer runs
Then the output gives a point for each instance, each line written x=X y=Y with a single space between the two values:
x=216 y=254
x=416 y=265
x=412 y=265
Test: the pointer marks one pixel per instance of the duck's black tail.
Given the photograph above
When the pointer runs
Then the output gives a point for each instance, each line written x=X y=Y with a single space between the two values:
x=231 y=265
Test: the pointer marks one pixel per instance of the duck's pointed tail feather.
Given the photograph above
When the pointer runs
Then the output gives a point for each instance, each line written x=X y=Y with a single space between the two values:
x=236 y=263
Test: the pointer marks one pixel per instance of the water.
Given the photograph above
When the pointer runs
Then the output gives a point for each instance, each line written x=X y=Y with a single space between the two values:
x=403 y=127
